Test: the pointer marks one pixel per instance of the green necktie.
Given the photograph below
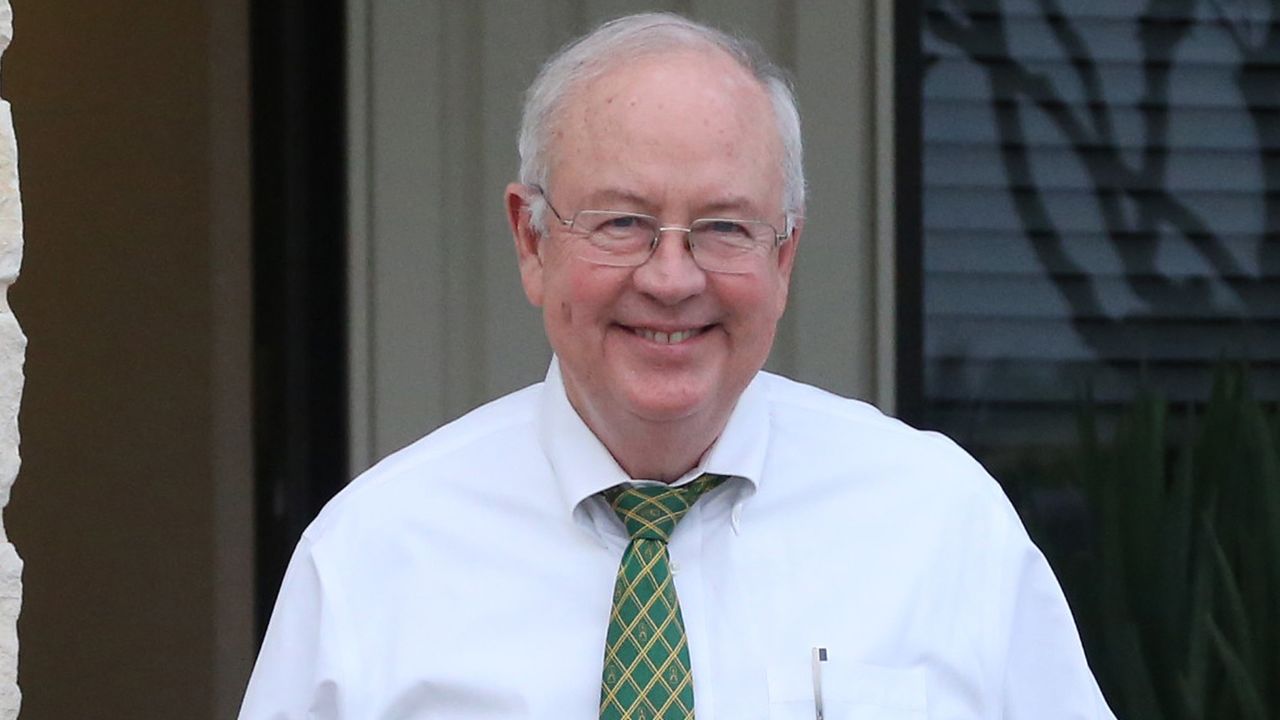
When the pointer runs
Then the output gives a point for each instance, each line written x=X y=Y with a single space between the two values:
x=646 y=656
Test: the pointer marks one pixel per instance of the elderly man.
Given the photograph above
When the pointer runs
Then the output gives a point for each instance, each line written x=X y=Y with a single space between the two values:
x=661 y=529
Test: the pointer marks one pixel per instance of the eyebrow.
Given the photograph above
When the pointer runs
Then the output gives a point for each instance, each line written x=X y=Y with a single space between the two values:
x=616 y=195
x=730 y=204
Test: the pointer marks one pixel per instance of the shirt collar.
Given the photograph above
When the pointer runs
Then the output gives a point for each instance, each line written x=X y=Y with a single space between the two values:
x=583 y=466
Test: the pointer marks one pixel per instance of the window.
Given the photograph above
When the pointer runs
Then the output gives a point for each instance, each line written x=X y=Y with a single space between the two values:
x=1101 y=209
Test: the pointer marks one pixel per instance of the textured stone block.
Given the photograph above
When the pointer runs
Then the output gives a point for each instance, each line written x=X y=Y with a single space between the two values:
x=12 y=352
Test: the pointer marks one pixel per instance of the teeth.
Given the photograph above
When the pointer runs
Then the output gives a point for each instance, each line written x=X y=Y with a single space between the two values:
x=666 y=338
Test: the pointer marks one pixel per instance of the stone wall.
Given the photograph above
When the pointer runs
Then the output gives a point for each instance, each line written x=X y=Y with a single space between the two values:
x=12 y=350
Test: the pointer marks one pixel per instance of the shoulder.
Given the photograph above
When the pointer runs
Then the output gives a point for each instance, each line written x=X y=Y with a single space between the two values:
x=842 y=464
x=858 y=448
x=845 y=427
x=459 y=457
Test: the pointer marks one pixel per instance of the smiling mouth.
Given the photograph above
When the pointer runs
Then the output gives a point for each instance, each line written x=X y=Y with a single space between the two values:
x=664 y=338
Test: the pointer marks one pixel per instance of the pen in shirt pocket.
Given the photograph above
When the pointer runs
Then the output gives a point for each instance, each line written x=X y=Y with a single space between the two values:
x=819 y=657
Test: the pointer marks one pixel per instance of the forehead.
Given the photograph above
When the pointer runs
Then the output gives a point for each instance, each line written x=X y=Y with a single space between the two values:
x=695 y=115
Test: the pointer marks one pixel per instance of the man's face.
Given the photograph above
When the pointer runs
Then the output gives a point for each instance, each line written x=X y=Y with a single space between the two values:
x=679 y=137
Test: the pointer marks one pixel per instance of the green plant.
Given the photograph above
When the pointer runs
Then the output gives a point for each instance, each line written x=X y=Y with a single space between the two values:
x=1177 y=588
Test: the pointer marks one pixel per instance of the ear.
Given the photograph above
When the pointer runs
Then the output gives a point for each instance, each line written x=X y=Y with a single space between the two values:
x=528 y=241
x=786 y=261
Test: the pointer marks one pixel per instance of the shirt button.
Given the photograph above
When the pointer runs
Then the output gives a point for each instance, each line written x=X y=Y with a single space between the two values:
x=675 y=567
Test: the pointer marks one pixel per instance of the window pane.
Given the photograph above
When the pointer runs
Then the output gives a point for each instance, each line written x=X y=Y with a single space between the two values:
x=1101 y=209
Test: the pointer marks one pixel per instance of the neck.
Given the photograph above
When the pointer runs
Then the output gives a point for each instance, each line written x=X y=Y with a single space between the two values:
x=661 y=451
x=655 y=450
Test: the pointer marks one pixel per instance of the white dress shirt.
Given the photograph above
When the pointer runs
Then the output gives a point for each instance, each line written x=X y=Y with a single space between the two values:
x=470 y=576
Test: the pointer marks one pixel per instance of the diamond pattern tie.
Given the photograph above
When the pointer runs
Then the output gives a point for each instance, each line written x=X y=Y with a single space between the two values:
x=646 y=656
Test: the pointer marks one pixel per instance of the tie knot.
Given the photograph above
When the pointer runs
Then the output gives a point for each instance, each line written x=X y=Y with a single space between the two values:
x=650 y=512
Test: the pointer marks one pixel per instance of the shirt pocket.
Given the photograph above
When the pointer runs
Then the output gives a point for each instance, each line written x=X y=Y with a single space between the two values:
x=850 y=691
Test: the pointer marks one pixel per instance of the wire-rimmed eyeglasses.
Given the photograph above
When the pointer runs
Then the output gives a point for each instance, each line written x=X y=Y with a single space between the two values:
x=626 y=239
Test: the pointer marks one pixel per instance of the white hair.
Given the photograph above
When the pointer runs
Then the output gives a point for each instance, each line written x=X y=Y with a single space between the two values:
x=636 y=36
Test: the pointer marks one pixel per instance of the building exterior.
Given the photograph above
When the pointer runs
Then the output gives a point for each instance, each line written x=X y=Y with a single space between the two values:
x=264 y=247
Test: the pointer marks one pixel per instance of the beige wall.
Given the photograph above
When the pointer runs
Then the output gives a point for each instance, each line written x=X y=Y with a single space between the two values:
x=132 y=508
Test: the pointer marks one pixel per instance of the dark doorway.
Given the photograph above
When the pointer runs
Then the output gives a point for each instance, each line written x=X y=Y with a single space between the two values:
x=299 y=216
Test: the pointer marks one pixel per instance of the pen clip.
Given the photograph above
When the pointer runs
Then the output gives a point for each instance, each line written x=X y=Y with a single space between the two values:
x=819 y=657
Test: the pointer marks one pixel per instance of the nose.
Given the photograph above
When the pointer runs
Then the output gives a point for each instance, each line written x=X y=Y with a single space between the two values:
x=670 y=275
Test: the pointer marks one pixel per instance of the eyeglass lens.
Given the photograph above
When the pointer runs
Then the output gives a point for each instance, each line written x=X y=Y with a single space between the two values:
x=718 y=245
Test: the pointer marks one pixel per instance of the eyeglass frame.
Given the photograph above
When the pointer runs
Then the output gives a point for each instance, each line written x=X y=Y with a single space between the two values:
x=779 y=238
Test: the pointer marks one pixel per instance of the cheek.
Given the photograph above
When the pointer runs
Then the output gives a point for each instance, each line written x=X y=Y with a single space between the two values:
x=780 y=300
x=755 y=300
x=775 y=297
x=589 y=292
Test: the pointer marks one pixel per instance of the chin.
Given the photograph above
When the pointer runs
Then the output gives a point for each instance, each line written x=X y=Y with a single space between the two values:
x=669 y=404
